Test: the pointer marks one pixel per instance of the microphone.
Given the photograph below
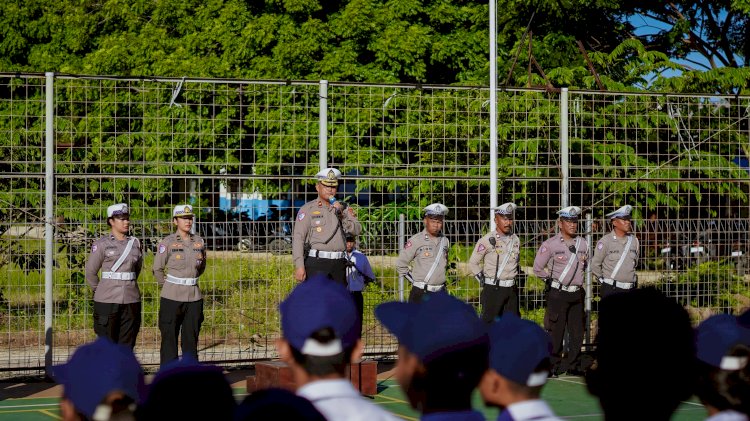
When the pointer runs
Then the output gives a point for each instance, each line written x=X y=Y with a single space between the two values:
x=492 y=241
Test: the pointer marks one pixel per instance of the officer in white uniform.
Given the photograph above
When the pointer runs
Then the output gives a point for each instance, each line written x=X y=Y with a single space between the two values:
x=616 y=254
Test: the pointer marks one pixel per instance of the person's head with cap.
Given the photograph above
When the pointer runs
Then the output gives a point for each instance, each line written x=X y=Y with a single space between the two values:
x=645 y=343
x=568 y=221
x=519 y=361
x=504 y=216
x=434 y=218
x=100 y=378
x=327 y=183
x=276 y=404
x=185 y=389
x=442 y=352
x=118 y=216
x=182 y=218
x=620 y=219
x=723 y=351
x=320 y=332
x=351 y=241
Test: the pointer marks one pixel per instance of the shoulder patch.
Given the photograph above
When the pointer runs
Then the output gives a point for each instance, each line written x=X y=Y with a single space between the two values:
x=351 y=212
x=162 y=248
x=408 y=244
x=481 y=247
x=301 y=216
x=543 y=249
x=93 y=248
x=600 y=246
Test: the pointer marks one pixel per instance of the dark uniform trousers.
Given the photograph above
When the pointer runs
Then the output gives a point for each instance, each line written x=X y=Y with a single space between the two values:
x=176 y=315
x=333 y=268
x=416 y=294
x=565 y=309
x=496 y=300
x=605 y=290
x=359 y=302
x=118 y=322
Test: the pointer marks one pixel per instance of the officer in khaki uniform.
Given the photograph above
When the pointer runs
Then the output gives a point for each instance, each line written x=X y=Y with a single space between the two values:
x=425 y=256
x=494 y=262
x=616 y=255
x=561 y=261
x=180 y=260
x=318 y=244
x=117 y=299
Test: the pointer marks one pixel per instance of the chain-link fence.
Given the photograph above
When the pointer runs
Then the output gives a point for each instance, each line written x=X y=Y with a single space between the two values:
x=244 y=152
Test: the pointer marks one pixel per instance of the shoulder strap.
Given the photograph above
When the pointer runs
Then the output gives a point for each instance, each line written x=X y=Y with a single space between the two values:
x=573 y=258
x=622 y=257
x=438 y=255
x=499 y=269
x=124 y=255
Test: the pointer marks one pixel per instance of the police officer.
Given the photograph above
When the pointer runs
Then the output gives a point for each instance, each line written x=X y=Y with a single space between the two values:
x=180 y=260
x=494 y=262
x=561 y=261
x=318 y=244
x=616 y=254
x=427 y=255
x=117 y=299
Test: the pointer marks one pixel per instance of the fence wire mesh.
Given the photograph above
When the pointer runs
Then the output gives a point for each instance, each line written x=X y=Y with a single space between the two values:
x=244 y=152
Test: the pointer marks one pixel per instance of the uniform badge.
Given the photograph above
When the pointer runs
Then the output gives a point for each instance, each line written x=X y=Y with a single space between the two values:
x=427 y=254
x=480 y=248
x=93 y=248
x=543 y=249
x=599 y=246
x=319 y=229
x=407 y=245
x=317 y=222
x=162 y=248
x=301 y=216
x=178 y=256
x=197 y=245
x=316 y=213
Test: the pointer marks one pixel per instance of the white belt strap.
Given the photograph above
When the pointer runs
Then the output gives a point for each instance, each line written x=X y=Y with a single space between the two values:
x=500 y=268
x=438 y=255
x=623 y=285
x=573 y=257
x=326 y=254
x=424 y=285
x=122 y=276
x=567 y=288
x=181 y=281
x=500 y=282
x=124 y=255
x=622 y=257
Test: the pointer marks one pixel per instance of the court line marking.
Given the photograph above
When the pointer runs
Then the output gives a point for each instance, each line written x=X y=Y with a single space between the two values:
x=28 y=406
x=54 y=416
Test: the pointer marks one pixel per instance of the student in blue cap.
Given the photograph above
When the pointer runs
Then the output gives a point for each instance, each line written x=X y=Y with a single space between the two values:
x=723 y=352
x=101 y=379
x=320 y=336
x=442 y=354
x=519 y=367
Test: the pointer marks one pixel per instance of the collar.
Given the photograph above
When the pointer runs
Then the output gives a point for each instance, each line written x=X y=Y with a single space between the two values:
x=468 y=415
x=329 y=388
x=526 y=410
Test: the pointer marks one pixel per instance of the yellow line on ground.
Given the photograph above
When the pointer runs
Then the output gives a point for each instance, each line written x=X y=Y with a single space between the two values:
x=393 y=399
x=55 y=416
x=27 y=406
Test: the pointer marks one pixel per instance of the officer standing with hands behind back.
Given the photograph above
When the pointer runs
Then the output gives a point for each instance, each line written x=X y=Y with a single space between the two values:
x=424 y=259
x=319 y=243
x=561 y=260
x=494 y=262
x=616 y=255
x=117 y=299
x=180 y=260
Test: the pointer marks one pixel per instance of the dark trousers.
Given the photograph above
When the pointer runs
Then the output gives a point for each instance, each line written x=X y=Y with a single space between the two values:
x=359 y=301
x=173 y=317
x=416 y=294
x=497 y=300
x=605 y=290
x=333 y=268
x=118 y=322
x=565 y=309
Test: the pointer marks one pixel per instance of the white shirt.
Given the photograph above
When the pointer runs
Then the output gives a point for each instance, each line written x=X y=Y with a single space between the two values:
x=338 y=400
x=535 y=409
x=728 y=415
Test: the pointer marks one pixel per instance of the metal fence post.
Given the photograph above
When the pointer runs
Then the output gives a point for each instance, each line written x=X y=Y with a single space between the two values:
x=401 y=243
x=564 y=163
x=587 y=279
x=323 y=123
x=49 y=214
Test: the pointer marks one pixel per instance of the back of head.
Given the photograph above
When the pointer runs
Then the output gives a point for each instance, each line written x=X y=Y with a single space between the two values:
x=645 y=348
x=186 y=389
x=276 y=404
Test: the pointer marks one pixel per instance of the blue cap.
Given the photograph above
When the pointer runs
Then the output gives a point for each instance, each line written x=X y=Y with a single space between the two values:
x=433 y=327
x=315 y=304
x=95 y=370
x=716 y=336
x=623 y=212
x=517 y=347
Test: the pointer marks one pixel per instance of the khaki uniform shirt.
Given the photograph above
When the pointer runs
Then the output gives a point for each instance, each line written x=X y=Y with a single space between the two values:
x=104 y=253
x=485 y=258
x=317 y=222
x=607 y=254
x=182 y=259
x=419 y=253
x=552 y=257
